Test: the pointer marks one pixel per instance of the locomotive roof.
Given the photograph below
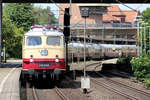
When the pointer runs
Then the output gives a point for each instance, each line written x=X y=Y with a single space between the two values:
x=40 y=32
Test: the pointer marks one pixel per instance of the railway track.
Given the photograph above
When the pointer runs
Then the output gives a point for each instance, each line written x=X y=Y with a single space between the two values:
x=122 y=84
x=34 y=93
x=107 y=86
x=57 y=91
x=61 y=95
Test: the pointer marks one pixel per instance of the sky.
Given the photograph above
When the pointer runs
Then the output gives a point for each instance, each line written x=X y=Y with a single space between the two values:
x=54 y=7
x=140 y=7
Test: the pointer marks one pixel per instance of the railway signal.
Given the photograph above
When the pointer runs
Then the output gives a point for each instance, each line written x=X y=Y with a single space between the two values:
x=85 y=81
x=4 y=50
x=66 y=33
x=66 y=23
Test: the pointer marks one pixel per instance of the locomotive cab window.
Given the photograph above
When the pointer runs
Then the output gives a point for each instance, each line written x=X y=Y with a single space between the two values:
x=34 y=41
x=54 y=40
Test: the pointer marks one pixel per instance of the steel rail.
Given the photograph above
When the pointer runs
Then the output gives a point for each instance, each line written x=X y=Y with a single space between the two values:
x=110 y=88
x=127 y=86
x=113 y=89
x=34 y=94
x=60 y=93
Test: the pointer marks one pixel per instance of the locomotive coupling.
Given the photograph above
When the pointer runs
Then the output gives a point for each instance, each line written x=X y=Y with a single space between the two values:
x=57 y=71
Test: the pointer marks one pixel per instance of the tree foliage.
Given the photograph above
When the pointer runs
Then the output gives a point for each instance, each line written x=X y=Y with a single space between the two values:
x=41 y=15
x=13 y=37
x=141 y=67
x=21 y=14
x=146 y=19
x=16 y=20
x=141 y=64
x=146 y=15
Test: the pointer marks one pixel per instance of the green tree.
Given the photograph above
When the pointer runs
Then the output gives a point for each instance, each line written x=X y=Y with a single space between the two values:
x=146 y=19
x=21 y=14
x=13 y=37
x=146 y=15
x=42 y=14
x=141 y=65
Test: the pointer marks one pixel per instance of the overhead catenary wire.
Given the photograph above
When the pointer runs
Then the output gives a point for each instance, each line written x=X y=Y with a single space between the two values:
x=141 y=5
x=58 y=6
x=125 y=5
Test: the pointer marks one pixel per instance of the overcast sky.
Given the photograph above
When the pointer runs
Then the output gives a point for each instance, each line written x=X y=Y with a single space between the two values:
x=140 y=7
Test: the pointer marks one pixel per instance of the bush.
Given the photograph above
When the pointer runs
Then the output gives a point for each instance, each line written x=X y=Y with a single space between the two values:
x=124 y=64
x=141 y=67
x=147 y=83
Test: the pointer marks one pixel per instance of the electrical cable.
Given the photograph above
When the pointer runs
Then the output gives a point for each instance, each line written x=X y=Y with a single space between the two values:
x=125 y=5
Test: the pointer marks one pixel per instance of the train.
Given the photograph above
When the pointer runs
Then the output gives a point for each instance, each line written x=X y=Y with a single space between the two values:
x=44 y=52
x=99 y=51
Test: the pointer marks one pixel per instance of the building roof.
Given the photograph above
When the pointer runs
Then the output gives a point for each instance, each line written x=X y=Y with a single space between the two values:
x=130 y=15
x=115 y=13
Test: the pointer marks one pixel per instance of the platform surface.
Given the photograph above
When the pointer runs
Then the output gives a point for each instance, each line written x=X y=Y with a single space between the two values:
x=9 y=83
x=110 y=61
x=80 y=66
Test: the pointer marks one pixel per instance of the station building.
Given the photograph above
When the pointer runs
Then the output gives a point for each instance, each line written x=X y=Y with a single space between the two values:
x=106 y=23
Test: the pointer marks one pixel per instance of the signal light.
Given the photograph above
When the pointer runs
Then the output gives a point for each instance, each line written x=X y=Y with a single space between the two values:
x=66 y=17
x=31 y=58
x=66 y=31
x=66 y=22
x=57 y=59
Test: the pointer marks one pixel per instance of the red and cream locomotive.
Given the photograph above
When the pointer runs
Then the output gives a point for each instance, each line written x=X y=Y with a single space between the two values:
x=43 y=52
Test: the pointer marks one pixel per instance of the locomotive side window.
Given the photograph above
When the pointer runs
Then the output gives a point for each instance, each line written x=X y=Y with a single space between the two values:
x=23 y=41
x=33 y=41
x=54 y=40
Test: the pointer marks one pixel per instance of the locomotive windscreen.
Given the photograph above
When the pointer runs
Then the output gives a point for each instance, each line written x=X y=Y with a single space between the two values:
x=33 y=41
x=54 y=40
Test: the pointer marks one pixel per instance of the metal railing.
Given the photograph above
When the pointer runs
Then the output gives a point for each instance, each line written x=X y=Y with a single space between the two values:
x=130 y=25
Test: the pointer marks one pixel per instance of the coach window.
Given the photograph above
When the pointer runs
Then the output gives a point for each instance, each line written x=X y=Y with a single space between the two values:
x=33 y=41
x=54 y=40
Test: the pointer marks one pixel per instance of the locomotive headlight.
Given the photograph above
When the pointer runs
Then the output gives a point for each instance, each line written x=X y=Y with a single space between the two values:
x=57 y=59
x=31 y=58
x=44 y=52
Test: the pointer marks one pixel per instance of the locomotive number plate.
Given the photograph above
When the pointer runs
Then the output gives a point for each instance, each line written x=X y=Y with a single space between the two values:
x=44 y=65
